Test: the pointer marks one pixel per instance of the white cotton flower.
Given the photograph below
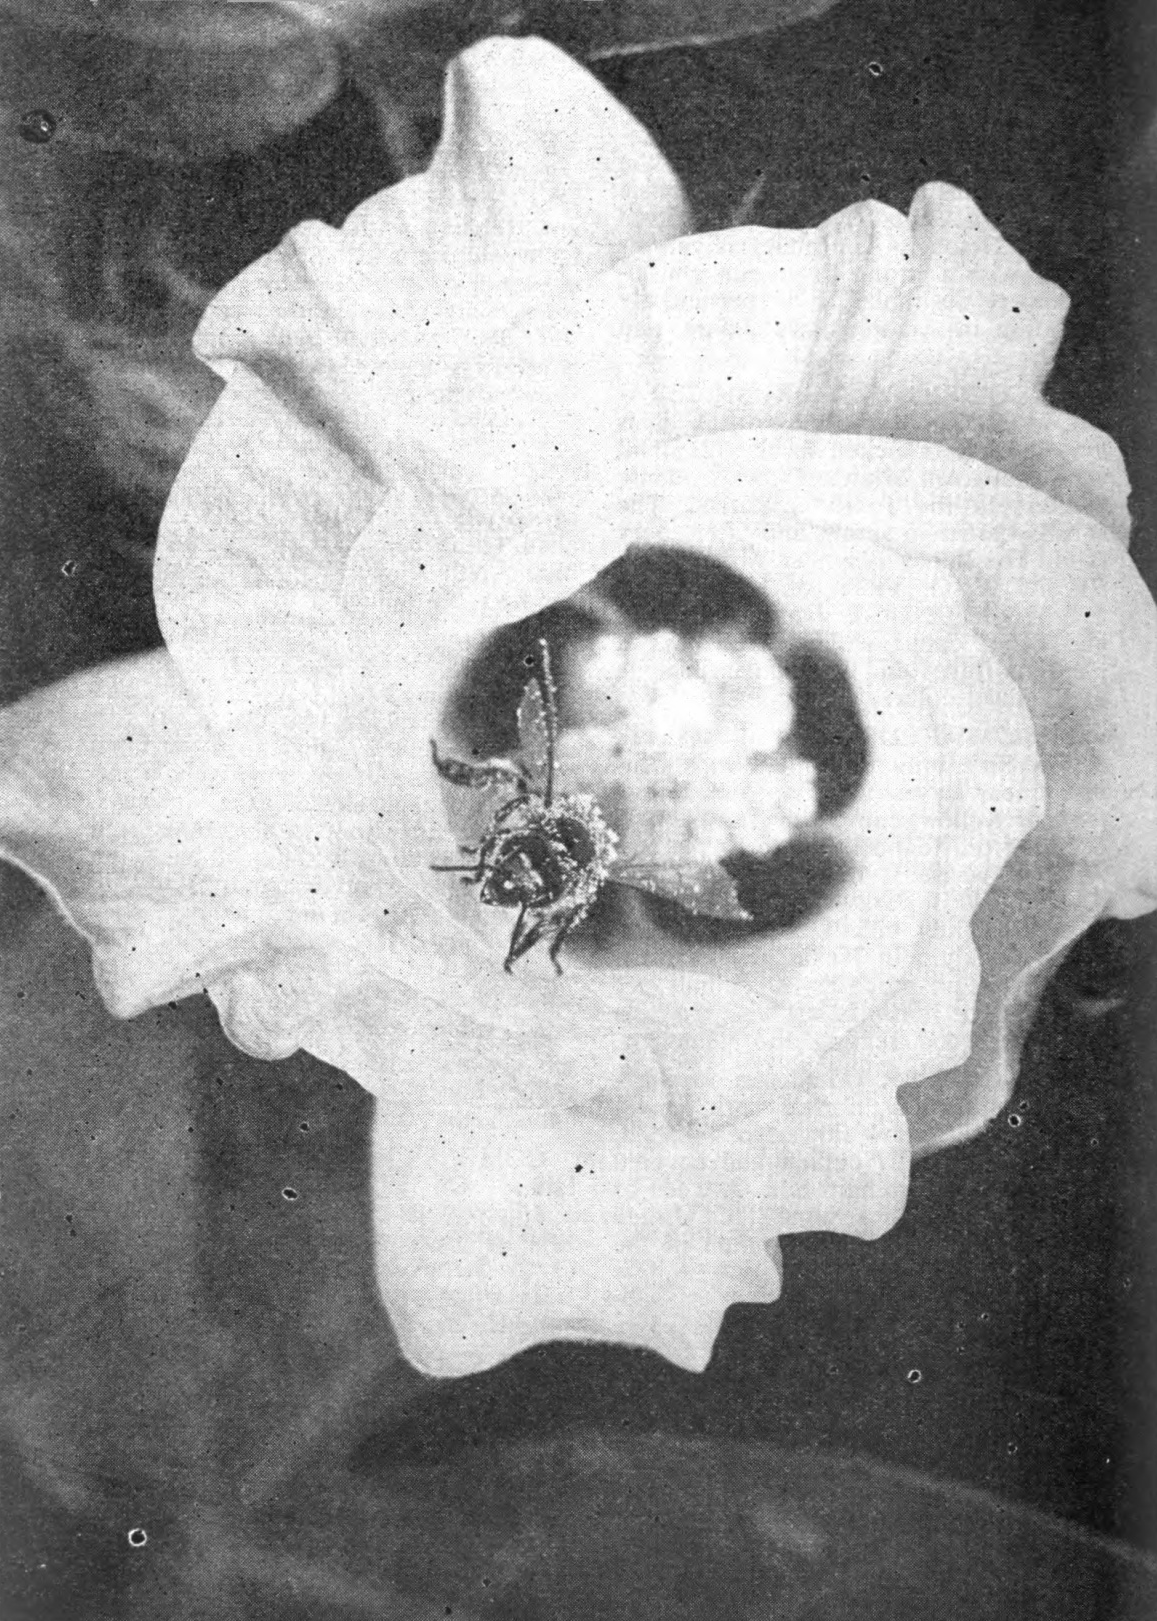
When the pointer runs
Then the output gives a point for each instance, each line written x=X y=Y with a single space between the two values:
x=494 y=381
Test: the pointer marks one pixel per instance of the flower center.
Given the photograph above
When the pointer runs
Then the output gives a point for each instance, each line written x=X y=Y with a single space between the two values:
x=707 y=735
x=689 y=753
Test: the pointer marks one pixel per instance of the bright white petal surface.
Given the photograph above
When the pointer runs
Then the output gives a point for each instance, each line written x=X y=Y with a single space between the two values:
x=117 y=793
x=177 y=857
x=500 y=1229
x=330 y=343
x=1054 y=597
x=928 y=328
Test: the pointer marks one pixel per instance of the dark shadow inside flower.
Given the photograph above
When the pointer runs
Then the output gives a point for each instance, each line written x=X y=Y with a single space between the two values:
x=668 y=588
x=828 y=728
x=691 y=600
x=649 y=588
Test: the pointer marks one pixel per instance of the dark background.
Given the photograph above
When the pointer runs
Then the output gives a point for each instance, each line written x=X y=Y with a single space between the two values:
x=183 y=1339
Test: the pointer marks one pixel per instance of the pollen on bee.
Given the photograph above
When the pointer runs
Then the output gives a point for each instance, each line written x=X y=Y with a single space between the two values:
x=692 y=743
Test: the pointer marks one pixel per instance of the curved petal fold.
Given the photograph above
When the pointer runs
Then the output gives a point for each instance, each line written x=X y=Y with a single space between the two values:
x=331 y=341
x=497 y=1228
x=541 y=181
x=929 y=328
x=1058 y=602
x=116 y=793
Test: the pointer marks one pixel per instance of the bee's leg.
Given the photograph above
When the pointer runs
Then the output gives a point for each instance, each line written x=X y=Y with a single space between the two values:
x=504 y=812
x=464 y=775
x=525 y=939
x=474 y=874
x=518 y=944
x=557 y=943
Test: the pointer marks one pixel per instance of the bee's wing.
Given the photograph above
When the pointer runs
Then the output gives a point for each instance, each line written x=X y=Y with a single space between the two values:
x=703 y=888
x=534 y=740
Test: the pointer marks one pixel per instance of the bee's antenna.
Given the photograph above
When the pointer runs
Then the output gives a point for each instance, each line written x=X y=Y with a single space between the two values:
x=546 y=682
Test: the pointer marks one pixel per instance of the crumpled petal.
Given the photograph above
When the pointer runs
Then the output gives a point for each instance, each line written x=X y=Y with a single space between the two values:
x=117 y=793
x=929 y=328
x=540 y=182
x=1056 y=599
x=500 y=1229
x=163 y=847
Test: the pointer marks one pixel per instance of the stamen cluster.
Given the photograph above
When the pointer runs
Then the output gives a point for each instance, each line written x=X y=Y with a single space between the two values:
x=695 y=750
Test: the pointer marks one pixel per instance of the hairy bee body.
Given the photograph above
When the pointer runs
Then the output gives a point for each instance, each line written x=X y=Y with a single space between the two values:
x=538 y=855
x=549 y=860
x=550 y=854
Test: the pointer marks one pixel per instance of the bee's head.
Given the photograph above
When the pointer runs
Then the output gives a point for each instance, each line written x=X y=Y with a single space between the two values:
x=528 y=868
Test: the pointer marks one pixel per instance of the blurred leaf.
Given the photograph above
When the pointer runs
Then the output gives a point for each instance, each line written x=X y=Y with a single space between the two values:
x=145 y=400
x=176 y=80
x=592 y=28
x=397 y=50
x=191 y=79
x=178 y=1337
x=625 y=27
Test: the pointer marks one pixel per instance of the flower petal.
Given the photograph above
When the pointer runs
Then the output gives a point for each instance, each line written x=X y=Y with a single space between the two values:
x=1058 y=601
x=541 y=181
x=973 y=338
x=929 y=328
x=177 y=858
x=116 y=795
x=896 y=624
x=498 y=1227
x=460 y=407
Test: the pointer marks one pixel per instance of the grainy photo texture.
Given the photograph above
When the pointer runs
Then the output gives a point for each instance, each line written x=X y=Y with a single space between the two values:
x=577 y=785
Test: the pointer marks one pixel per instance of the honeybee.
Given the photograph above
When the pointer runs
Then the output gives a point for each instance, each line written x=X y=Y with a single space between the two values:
x=550 y=854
